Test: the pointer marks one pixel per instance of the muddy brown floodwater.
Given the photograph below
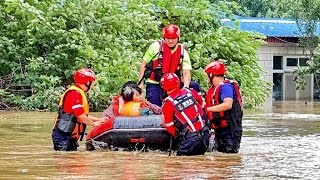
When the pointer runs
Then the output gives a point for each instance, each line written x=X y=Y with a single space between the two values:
x=283 y=143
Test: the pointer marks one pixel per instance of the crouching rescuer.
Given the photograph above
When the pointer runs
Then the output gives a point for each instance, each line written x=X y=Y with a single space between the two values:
x=73 y=114
x=224 y=108
x=184 y=117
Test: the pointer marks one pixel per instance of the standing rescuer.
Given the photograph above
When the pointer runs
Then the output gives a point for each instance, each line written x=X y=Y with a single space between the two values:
x=165 y=56
x=73 y=114
x=224 y=108
x=184 y=117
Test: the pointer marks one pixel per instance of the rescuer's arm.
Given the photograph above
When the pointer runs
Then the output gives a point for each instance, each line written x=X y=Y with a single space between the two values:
x=168 y=114
x=224 y=106
x=90 y=120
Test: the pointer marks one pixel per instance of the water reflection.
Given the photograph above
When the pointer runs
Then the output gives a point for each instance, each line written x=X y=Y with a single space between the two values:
x=71 y=165
x=282 y=144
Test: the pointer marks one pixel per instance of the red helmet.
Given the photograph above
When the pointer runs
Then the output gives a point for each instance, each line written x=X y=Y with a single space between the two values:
x=84 y=75
x=215 y=68
x=171 y=31
x=169 y=81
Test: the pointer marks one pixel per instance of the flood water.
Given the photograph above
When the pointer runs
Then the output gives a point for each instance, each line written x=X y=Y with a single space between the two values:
x=283 y=143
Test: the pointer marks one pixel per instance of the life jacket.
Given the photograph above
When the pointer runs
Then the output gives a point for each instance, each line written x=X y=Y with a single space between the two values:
x=167 y=62
x=68 y=123
x=188 y=112
x=122 y=108
x=232 y=116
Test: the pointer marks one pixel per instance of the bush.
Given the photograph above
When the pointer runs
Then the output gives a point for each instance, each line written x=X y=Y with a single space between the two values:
x=43 y=43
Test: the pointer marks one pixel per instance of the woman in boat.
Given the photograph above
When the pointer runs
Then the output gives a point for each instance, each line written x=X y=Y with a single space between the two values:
x=130 y=102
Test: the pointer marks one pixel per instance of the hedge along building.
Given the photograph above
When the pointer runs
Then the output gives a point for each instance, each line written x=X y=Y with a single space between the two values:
x=280 y=56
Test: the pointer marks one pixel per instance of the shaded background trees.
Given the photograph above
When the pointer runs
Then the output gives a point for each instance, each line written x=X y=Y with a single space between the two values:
x=43 y=42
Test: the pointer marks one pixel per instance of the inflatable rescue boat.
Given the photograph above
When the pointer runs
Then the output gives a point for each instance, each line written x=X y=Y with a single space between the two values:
x=130 y=133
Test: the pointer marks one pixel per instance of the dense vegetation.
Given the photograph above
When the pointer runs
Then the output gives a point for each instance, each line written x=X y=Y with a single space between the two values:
x=42 y=43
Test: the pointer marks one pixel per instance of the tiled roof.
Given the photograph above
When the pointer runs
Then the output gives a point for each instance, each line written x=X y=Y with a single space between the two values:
x=275 y=27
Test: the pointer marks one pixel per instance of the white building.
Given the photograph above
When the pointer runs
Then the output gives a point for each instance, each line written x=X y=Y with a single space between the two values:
x=280 y=56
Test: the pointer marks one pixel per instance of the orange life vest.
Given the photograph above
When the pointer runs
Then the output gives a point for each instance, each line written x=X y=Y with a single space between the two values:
x=122 y=108
x=79 y=128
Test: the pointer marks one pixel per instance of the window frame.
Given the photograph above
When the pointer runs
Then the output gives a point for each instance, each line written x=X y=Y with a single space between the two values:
x=285 y=62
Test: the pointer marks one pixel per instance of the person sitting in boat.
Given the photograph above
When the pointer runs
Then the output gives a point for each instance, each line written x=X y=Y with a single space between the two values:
x=130 y=102
x=73 y=114
x=184 y=117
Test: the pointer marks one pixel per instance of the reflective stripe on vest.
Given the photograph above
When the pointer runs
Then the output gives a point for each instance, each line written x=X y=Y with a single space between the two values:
x=80 y=128
x=182 y=106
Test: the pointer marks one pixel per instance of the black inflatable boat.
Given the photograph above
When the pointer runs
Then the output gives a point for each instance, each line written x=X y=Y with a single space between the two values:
x=130 y=133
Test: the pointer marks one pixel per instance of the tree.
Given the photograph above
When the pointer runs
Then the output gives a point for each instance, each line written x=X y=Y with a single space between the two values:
x=43 y=43
x=307 y=17
x=306 y=13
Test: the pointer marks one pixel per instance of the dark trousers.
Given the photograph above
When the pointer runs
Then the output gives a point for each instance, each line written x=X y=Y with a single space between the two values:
x=194 y=144
x=193 y=85
x=63 y=142
x=227 y=141
x=155 y=95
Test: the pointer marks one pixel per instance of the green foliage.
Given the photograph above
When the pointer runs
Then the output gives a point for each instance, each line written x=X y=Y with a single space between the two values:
x=43 y=43
x=239 y=51
x=305 y=12
x=307 y=15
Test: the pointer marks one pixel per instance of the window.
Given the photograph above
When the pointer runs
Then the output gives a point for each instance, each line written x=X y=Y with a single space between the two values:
x=292 y=61
x=277 y=62
x=295 y=61
x=303 y=61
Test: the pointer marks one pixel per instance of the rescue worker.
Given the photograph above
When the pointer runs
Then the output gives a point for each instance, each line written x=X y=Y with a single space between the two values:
x=224 y=108
x=184 y=117
x=130 y=102
x=165 y=56
x=73 y=114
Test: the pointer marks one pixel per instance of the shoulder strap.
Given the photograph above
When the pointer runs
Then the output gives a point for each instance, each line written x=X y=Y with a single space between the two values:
x=149 y=65
x=217 y=96
x=216 y=91
x=181 y=55
x=160 y=52
x=64 y=96
x=239 y=97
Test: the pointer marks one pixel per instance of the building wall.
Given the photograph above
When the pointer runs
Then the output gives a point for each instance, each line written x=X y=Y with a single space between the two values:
x=266 y=54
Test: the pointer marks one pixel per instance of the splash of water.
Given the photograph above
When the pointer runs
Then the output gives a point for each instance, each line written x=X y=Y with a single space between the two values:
x=99 y=144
